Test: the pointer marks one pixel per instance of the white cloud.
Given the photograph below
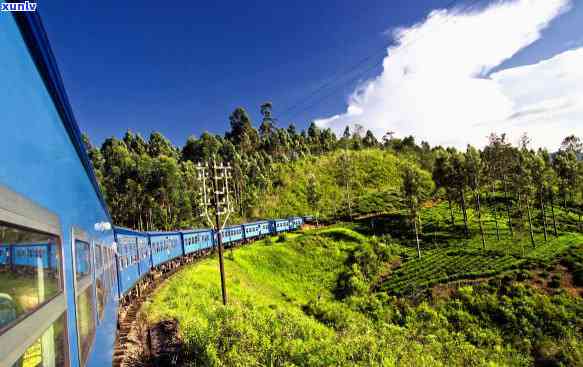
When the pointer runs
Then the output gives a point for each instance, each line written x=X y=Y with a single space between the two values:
x=436 y=84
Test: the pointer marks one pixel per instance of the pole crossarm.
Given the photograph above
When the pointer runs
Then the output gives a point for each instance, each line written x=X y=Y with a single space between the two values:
x=215 y=201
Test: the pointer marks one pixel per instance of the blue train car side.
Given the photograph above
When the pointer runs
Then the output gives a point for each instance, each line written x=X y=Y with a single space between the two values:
x=295 y=223
x=232 y=234
x=264 y=228
x=197 y=240
x=54 y=224
x=144 y=254
x=251 y=230
x=128 y=267
x=279 y=225
x=165 y=246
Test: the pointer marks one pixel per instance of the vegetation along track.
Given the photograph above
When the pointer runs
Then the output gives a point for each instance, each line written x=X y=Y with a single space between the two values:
x=137 y=343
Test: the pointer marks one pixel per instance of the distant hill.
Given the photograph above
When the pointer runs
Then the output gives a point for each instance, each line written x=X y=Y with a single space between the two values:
x=337 y=184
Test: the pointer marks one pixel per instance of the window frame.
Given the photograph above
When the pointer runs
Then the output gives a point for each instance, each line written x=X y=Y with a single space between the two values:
x=80 y=286
x=20 y=212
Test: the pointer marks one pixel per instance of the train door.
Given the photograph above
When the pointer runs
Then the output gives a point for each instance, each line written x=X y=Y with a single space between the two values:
x=84 y=292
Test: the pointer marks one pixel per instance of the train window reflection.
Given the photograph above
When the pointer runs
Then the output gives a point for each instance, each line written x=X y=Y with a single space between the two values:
x=30 y=271
x=82 y=259
x=85 y=322
x=49 y=350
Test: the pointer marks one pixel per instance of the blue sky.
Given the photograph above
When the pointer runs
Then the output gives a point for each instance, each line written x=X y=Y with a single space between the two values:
x=135 y=65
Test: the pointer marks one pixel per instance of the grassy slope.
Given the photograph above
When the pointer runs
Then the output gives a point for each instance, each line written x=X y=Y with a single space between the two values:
x=449 y=256
x=374 y=183
x=266 y=280
x=282 y=309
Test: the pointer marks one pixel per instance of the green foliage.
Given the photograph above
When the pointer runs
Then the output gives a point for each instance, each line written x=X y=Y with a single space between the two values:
x=364 y=181
x=285 y=309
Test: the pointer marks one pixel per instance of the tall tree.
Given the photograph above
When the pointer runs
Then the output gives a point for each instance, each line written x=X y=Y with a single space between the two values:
x=443 y=177
x=541 y=176
x=498 y=155
x=242 y=133
x=473 y=171
x=411 y=191
x=524 y=182
x=460 y=178
x=370 y=141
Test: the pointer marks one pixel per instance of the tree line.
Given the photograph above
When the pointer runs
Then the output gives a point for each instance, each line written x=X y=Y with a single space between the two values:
x=522 y=187
x=151 y=184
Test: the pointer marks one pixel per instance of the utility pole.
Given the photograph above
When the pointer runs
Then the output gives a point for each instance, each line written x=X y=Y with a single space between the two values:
x=215 y=202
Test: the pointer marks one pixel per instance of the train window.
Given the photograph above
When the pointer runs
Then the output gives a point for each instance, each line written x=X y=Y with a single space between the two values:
x=82 y=259
x=30 y=272
x=48 y=350
x=85 y=322
x=99 y=257
x=101 y=296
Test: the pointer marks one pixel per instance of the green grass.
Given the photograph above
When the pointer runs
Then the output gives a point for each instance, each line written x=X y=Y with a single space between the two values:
x=447 y=255
x=283 y=309
x=456 y=262
x=268 y=273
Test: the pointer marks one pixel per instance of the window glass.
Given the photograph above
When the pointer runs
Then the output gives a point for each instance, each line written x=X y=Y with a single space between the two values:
x=85 y=321
x=82 y=259
x=50 y=350
x=101 y=296
x=99 y=257
x=30 y=271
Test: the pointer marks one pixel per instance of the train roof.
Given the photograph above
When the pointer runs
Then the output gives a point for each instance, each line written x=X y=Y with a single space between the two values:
x=34 y=35
x=124 y=230
x=162 y=233
x=196 y=230
x=256 y=222
x=233 y=226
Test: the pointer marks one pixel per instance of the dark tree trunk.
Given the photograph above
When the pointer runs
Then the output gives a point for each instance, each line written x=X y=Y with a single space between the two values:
x=450 y=210
x=529 y=221
x=479 y=208
x=552 y=197
x=493 y=203
x=543 y=213
x=507 y=200
x=465 y=214
x=417 y=236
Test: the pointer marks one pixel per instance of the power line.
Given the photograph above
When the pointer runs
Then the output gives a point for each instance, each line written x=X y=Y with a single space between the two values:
x=341 y=74
x=326 y=96
x=331 y=81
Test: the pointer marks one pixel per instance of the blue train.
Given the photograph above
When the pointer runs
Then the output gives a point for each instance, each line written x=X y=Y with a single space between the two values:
x=64 y=268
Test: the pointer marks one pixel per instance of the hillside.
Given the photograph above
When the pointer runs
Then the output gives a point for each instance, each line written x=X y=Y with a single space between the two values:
x=337 y=184
x=336 y=297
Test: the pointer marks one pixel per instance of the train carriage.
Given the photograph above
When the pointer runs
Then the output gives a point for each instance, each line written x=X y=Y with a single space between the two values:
x=165 y=246
x=197 y=240
x=280 y=225
x=295 y=223
x=128 y=267
x=252 y=230
x=28 y=256
x=52 y=216
x=232 y=234
x=144 y=255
